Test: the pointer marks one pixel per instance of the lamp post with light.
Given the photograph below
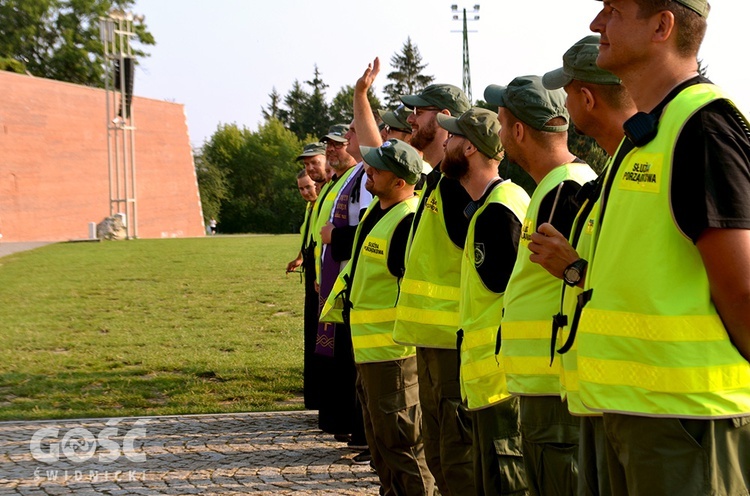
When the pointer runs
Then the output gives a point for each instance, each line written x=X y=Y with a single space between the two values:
x=466 y=66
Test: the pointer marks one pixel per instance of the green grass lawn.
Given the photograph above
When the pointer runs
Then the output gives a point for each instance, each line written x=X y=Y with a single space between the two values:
x=150 y=327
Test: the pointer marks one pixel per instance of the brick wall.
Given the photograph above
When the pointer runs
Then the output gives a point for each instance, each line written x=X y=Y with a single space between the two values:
x=53 y=163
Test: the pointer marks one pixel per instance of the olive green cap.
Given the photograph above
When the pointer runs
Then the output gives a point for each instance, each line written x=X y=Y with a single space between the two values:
x=527 y=99
x=396 y=118
x=700 y=7
x=579 y=63
x=480 y=126
x=312 y=149
x=396 y=156
x=442 y=96
x=336 y=133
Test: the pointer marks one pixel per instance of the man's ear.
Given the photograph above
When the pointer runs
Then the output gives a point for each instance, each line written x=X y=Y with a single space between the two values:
x=588 y=98
x=519 y=131
x=469 y=149
x=664 y=28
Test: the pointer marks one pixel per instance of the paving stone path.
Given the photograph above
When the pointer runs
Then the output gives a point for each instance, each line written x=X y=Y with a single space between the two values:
x=276 y=453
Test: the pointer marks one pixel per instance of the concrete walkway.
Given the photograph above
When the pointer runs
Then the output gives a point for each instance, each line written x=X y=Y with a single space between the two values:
x=278 y=453
x=10 y=248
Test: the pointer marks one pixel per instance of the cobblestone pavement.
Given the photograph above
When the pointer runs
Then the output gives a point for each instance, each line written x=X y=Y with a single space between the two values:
x=276 y=453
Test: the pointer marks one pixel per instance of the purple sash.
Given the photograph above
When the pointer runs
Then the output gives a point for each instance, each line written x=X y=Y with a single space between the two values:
x=330 y=269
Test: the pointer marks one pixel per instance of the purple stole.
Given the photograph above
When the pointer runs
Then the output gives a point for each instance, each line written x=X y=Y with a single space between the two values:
x=330 y=268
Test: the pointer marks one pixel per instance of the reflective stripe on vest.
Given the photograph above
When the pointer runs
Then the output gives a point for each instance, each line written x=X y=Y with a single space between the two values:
x=375 y=290
x=650 y=341
x=482 y=376
x=427 y=312
x=532 y=297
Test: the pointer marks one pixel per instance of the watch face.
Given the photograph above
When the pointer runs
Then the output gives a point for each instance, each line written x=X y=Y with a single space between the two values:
x=572 y=275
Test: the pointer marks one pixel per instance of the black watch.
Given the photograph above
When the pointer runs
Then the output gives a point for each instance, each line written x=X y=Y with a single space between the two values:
x=573 y=273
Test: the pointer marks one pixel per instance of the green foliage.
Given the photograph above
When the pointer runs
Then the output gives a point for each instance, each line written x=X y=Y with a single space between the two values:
x=342 y=107
x=260 y=169
x=150 y=327
x=273 y=111
x=60 y=39
x=213 y=186
x=12 y=65
x=587 y=150
x=407 y=75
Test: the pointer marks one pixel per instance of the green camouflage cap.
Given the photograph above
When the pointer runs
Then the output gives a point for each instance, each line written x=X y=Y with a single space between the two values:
x=700 y=7
x=336 y=133
x=396 y=119
x=529 y=101
x=396 y=156
x=442 y=96
x=579 y=63
x=312 y=149
x=478 y=125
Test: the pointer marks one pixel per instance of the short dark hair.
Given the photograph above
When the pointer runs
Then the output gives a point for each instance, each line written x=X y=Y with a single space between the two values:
x=615 y=95
x=301 y=174
x=691 y=26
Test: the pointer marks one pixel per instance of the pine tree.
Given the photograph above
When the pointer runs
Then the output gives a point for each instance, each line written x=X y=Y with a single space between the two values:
x=295 y=102
x=407 y=75
x=273 y=111
x=342 y=106
x=315 y=118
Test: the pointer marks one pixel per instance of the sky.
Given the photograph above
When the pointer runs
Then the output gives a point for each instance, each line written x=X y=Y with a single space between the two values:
x=222 y=58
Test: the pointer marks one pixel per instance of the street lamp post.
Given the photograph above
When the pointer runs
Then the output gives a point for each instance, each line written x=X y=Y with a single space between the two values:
x=466 y=65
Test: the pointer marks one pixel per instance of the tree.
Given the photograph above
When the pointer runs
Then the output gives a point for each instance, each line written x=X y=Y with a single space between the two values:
x=295 y=102
x=260 y=168
x=273 y=111
x=342 y=107
x=315 y=118
x=59 y=39
x=407 y=75
x=212 y=184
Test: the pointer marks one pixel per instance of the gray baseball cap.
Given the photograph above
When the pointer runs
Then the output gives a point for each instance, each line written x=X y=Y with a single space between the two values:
x=312 y=149
x=527 y=99
x=396 y=118
x=480 y=126
x=336 y=133
x=442 y=96
x=579 y=63
x=396 y=156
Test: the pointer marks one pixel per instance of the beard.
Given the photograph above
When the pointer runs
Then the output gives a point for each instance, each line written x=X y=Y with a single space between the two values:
x=455 y=165
x=424 y=135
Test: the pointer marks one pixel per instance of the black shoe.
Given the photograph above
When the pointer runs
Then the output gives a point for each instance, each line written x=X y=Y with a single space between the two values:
x=357 y=445
x=342 y=438
x=363 y=458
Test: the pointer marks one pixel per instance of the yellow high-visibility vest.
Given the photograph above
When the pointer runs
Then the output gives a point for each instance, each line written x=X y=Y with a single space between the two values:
x=427 y=311
x=532 y=297
x=482 y=375
x=650 y=340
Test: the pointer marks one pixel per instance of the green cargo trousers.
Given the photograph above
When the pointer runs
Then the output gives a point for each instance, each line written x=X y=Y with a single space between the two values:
x=498 y=457
x=669 y=456
x=389 y=393
x=550 y=445
x=446 y=424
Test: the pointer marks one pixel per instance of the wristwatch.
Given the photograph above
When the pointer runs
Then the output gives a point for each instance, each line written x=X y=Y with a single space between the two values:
x=573 y=273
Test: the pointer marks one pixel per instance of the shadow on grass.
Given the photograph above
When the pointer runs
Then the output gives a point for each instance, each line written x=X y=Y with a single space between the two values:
x=138 y=392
